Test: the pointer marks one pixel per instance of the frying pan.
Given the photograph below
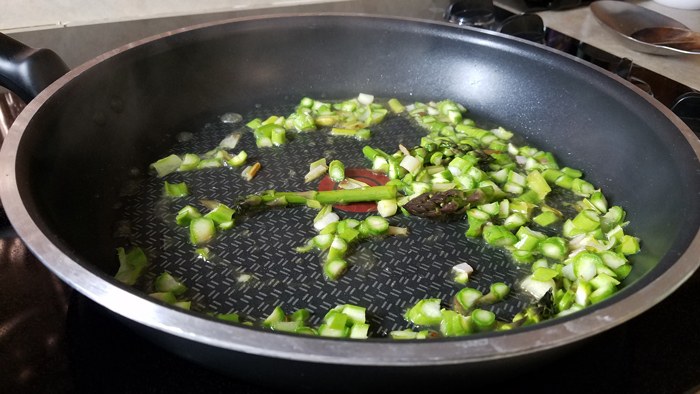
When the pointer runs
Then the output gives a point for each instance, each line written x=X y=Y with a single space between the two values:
x=89 y=136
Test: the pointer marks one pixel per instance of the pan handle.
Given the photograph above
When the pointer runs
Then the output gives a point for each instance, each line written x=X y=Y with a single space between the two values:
x=27 y=71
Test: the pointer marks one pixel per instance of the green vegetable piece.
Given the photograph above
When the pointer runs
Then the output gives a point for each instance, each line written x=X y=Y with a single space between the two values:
x=186 y=305
x=363 y=134
x=303 y=330
x=514 y=220
x=527 y=239
x=167 y=165
x=374 y=225
x=336 y=171
x=546 y=218
x=551 y=175
x=165 y=282
x=502 y=133
x=131 y=265
x=585 y=265
x=337 y=249
x=396 y=106
x=334 y=269
x=521 y=256
x=613 y=260
x=604 y=286
x=522 y=207
x=346 y=232
x=566 y=300
x=355 y=313
x=335 y=325
x=230 y=317
x=622 y=271
x=331 y=228
x=425 y=312
x=286 y=326
x=301 y=315
x=599 y=201
x=475 y=227
x=254 y=124
x=582 y=293
x=565 y=182
x=387 y=208
x=359 y=331
x=359 y=134
x=498 y=236
x=166 y=296
x=238 y=159
x=628 y=245
x=569 y=230
x=190 y=161
x=370 y=153
x=276 y=316
x=460 y=165
x=461 y=272
x=273 y=120
x=176 y=189
x=403 y=334
x=612 y=218
x=483 y=320
x=454 y=324
x=304 y=122
x=203 y=253
x=222 y=216
x=497 y=292
x=554 y=248
x=572 y=172
x=325 y=331
x=209 y=163
x=479 y=214
x=186 y=214
x=537 y=183
x=466 y=299
x=586 y=220
x=326 y=120
x=202 y=230
x=544 y=274
x=267 y=132
x=581 y=187
x=336 y=320
x=306 y=102
x=365 y=194
x=278 y=136
x=322 y=241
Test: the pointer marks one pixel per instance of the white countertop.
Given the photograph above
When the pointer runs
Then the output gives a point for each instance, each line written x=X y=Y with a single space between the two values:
x=26 y=15
x=580 y=24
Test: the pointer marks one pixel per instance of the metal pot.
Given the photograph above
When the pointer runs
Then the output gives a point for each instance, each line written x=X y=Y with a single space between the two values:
x=76 y=144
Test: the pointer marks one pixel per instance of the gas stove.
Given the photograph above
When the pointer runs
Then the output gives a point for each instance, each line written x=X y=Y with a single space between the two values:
x=54 y=340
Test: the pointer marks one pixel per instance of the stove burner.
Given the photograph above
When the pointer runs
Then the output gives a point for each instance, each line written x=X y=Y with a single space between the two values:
x=482 y=14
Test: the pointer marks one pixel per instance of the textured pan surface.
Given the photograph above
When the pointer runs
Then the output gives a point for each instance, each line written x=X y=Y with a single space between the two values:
x=387 y=275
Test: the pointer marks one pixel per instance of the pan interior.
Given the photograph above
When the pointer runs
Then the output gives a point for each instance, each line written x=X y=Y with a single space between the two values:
x=255 y=266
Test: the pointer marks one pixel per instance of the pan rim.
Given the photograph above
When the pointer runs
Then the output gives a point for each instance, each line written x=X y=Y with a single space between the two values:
x=377 y=353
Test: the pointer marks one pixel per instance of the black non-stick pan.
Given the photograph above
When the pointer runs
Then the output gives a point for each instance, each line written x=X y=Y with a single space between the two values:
x=81 y=146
